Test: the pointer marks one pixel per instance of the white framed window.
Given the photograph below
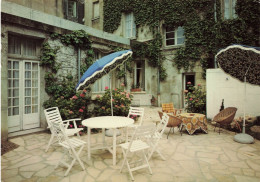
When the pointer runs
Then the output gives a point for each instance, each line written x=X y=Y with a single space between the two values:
x=139 y=74
x=100 y=84
x=228 y=7
x=174 y=36
x=130 y=26
x=72 y=9
x=95 y=10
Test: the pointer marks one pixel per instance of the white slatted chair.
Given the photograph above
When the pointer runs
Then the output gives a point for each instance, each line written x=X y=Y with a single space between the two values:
x=135 y=112
x=53 y=116
x=72 y=147
x=137 y=145
x=155 y=139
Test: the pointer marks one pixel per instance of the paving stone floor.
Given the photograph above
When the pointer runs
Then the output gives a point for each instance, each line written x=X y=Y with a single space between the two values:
x=196 y=158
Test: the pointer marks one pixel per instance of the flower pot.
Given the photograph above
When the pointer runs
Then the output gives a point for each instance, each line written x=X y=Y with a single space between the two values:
x=135 y=90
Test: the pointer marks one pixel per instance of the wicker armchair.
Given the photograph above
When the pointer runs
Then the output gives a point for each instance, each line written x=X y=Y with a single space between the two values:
x=225 y=117
x=173 y=122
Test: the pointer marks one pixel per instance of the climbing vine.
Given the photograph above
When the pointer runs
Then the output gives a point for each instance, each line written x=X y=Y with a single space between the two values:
x=205 y=29
x=66 y=87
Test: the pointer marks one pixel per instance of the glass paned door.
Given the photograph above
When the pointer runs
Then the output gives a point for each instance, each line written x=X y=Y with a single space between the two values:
x=13 y=96
x=31 y=95
x=23 y=95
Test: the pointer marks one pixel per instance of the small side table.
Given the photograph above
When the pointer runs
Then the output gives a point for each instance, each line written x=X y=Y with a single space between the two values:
x=194 y=121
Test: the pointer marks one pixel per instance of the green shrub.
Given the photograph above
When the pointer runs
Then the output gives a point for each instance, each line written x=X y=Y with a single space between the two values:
x=195 y=99
x=121 y=102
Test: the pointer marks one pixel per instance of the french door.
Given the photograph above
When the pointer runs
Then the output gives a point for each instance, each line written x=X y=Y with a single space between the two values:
x=23 y=95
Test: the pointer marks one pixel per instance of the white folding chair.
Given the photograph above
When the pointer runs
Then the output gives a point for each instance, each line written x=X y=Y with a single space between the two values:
x=137 y=145
x=156 y=137
x=137 y=112
x=72 y=147
x=53 y=116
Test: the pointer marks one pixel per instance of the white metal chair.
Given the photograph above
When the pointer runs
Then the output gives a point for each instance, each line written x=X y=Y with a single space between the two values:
x=72 y=147
x=155 y=139
x=53 y=116
x=138 y=144
x=135 y=112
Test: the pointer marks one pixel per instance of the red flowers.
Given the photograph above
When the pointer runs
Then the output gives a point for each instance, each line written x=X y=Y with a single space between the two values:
x=75 y=97
x=191 y=98
x=188 y=83
x=106 y=87
x=199 y=84
x=80 y=110
x=82 y=95
x=70 y=112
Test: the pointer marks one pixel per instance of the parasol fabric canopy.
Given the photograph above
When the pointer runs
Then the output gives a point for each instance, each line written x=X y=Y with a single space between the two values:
x=240 y=61
x=243 y=63
x=102 y=66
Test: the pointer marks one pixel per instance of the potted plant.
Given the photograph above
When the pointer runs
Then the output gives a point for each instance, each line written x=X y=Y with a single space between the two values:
x=136 y=88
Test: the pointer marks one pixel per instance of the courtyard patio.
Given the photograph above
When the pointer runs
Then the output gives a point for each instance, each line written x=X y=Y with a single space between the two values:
x=198 y=157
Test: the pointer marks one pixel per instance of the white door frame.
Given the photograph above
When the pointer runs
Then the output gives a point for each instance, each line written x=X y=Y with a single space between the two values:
x=25 y=121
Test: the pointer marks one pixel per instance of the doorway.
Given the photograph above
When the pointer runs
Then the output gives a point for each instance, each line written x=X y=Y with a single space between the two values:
x=187 y=77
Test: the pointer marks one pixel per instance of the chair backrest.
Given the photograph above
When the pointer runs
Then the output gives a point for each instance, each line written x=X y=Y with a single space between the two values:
x=136 y=112
x=226 y=116
x=173 y=121
x=162 y=125
x=52 y=116
x=160 y=114
x=168 y=107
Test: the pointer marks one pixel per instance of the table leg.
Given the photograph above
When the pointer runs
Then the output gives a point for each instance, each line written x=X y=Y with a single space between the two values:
x=103 y=136
x=114 y=147
x=89 y=132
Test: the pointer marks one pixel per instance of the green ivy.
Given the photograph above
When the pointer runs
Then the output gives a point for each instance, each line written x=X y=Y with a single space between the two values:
x=152 y=51
x=66 y=87
x=205 y=31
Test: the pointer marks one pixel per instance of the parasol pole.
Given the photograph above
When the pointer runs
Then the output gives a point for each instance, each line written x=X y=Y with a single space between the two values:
x=243 y=137
x=111 y=97
x=110 y=87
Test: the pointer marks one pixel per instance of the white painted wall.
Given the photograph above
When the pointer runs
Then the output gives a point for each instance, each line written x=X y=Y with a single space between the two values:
x=223 y=86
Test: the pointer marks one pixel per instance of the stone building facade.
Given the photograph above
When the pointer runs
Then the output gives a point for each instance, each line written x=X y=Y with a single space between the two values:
x=25 y=26
x=28 y=24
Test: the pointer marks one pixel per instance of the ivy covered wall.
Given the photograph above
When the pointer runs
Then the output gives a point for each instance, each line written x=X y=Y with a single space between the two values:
x=205 y=29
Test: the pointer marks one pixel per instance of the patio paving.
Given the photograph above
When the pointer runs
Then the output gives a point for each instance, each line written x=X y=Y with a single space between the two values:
x=196 y=158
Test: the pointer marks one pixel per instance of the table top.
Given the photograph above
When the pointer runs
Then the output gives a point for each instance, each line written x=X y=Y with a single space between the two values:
x=191 y=115
x=107 y=122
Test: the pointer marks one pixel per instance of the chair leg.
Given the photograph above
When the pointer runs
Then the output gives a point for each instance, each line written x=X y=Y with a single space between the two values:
x=169 y=132
x=50 y=142
x=180 y=128
x=146 y=160
x=219 y=129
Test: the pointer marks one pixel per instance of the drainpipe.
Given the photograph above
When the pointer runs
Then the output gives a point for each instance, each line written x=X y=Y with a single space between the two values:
x=78 y=56
x=158 y=74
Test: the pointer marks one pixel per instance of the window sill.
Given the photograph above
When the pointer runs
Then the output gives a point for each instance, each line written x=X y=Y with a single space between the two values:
x=138 y=92
x=173 y=46
x=96 y=18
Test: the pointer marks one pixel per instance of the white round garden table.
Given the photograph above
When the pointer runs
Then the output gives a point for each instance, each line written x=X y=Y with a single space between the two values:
x=109 y=122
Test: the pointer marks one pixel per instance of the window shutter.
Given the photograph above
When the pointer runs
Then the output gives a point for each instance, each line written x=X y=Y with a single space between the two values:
x=81 y=13
x=65 y=9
